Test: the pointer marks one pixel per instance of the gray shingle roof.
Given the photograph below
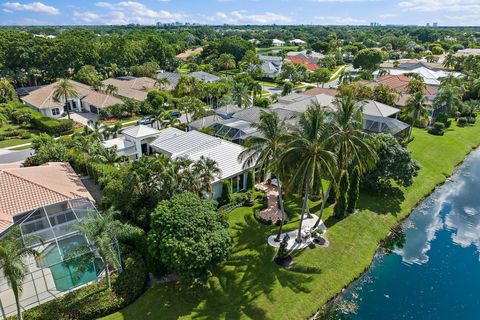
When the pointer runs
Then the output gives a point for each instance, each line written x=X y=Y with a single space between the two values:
x=204 y=76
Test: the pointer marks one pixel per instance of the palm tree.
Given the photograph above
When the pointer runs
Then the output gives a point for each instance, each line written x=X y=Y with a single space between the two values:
x=206 y=170
x=240 y=95
x=226 y=61
x=450 y=61
x=308 y=154
x=416 y=109
x=111 y=89
x=64 y=90
x=103 y=231
x=383 y=72
x=449 y=97
x=256 y=88
x=96 y=126
x=350 y=142
x=162 y=82
x=263 y=151
x=13 y=257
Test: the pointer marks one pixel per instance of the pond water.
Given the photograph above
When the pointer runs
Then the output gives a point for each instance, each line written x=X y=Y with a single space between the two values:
x=433 y=268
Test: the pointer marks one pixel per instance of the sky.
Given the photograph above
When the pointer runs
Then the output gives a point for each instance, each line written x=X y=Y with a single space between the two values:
x=321 y=12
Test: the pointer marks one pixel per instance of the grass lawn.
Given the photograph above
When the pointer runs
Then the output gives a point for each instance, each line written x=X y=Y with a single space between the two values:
x=111 y=122
x=250 y=285
x=10 y=142
x=288 y=48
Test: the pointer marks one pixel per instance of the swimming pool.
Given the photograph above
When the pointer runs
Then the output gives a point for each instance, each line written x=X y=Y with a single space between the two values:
x=66 y=275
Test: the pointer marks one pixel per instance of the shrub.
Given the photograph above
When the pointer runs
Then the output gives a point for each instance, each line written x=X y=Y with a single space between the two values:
x=354 y=190
x=25 y=135
x=437 y=129
x=262 y=102
x=52 y=126
x=462 y=122
x=250 y=180
x=95 y=300
x=342 y=196
x=226 y=193
x=471 y=120
x=443 y=118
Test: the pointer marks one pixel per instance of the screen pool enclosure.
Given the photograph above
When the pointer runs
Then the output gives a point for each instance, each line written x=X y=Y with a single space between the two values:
x=67 y=258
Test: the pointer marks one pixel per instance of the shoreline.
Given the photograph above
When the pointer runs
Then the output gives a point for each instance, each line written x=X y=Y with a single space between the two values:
x=324 y=308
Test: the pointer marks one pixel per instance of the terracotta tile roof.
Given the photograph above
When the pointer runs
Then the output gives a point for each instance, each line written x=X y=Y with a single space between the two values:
x=327 y=91
x=310 y=66
x=25 y=189
x=399 y=83
x=133 y=88
x=42 y=98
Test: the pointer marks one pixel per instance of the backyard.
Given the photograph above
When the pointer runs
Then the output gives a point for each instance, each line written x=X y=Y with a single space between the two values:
x=250 y=285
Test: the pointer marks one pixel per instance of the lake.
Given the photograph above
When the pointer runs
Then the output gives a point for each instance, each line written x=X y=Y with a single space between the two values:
x=432 y=270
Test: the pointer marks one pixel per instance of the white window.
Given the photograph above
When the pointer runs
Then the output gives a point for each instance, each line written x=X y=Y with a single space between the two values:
x=55 y=111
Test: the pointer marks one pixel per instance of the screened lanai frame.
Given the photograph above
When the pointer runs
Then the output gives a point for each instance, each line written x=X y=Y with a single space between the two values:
x=49 y=230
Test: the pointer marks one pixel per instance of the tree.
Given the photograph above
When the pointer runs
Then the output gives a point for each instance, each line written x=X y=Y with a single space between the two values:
x=111 y=89
x=103 y=232
x=226 y=196
x=295 y=72
x=7 y=92
x=450 y=98
x=206 y=170
x=354 y=190
x=88 y=75
x=192 y=107
x=394 y=163
x=162 y=82
x=307 y=156
x=226 y=61
x=189 y=236
x=385 y=94
x=415 y=85
x=416 y=109
x=341 y=202
x=321 y=75
x=368 y=59
x=287 y=88
x=13 y=263
x=252 y=64
x=263 y=151
x=65 y=90
x=241 y=95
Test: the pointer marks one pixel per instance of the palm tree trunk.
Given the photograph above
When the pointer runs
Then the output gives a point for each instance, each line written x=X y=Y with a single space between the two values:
x=304 y=207
x=280 y=199
x=107 y=275
x=324 y=201
x=17 y=300
x=413 y=123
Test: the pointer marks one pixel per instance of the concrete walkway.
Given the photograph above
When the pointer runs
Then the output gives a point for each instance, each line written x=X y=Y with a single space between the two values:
x=307 y=225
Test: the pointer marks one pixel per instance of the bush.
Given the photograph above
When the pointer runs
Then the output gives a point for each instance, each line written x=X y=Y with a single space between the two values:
x=462 y=122
x=437 y=129
x=250 y=180
x=95 y=300
x=52 y=126
x=262 y=102
x=443 y=118
x=25 y=135
x=340 y=207
x=226 y=193
x=471 y=120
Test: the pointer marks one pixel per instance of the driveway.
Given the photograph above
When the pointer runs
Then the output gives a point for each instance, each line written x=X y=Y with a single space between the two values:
x=7 y=156
x=83 y=117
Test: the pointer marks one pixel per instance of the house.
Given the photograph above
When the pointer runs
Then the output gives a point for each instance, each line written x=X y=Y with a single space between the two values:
x=134 y=141
x=271 y=65
x=278 y=43
x=410 y=64
x=468 y=52
x=45 y=202
x=204 y=76
x=300 y=102
x=306 y=62
x=88 y=100
x=188 y=53
x=297 y=42
x=312 y=56
x=254 y=41
x=132 y=87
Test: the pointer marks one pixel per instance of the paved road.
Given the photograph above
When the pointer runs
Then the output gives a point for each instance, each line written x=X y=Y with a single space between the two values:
x=7 y=156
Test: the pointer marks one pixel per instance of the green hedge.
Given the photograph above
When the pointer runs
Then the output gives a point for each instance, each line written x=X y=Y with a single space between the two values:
x=52 y=126
x=99 y=172
x=95 y=300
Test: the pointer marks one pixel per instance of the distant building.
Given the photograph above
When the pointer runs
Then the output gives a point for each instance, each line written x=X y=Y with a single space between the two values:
x=298 y=42
x=278 y=43
x=132 y=87
x=205 y=76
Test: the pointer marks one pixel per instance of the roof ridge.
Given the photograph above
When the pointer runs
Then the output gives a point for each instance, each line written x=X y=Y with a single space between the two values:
x=37 y=184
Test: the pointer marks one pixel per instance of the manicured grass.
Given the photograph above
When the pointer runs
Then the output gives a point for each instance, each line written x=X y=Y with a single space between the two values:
x=250 y=285
x=13 y=142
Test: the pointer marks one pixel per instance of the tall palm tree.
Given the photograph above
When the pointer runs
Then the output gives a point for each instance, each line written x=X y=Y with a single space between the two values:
x=256 y=89
x=241 y=96
x=64 y=90
x=416 y=109
x=96 y=126
x=206 y=170
x=13 y=256
x=103 y=231
x=450 y=61
x=308 y=155
x=449 y=97
x=349 y=141
x=264 y=150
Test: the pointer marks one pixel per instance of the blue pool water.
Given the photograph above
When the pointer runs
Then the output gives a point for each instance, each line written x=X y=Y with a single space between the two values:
x=435 y=273
x=68 y=276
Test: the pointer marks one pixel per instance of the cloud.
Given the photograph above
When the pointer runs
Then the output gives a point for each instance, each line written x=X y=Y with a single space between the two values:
x=33 y=6
x=470 y=6
x=340 y=20
x=125 y=12
x=387 y=15
x=242 y=17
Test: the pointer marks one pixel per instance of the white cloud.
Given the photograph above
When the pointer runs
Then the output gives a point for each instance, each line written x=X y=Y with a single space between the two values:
x=387 y=15
x=470 y=6
x=243 y=17
x=33 y=6
x=340 y=20
x=125 y=12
